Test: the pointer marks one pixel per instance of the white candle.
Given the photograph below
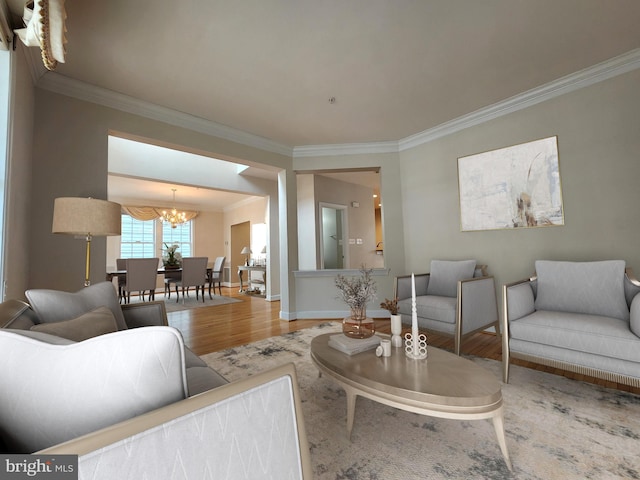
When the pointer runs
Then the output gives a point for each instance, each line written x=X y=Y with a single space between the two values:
x=414 y=315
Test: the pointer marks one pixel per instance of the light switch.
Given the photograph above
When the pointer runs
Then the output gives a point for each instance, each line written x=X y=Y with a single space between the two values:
x=359 y=241
x=352 y=241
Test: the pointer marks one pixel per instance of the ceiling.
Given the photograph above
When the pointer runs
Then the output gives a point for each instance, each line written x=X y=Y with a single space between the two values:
x=331 y=72
x=395 y=68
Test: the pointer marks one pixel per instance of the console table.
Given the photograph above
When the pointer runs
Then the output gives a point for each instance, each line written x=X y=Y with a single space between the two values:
x=256 y=268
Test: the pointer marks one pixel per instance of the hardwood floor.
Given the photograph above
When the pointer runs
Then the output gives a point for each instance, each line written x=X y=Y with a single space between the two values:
x=217 y=328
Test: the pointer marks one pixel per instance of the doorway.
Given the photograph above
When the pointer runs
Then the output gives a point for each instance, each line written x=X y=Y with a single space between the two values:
x=333 y=232
x=240 y=238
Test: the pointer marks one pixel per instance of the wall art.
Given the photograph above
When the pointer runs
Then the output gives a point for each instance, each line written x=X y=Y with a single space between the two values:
x=513 y=187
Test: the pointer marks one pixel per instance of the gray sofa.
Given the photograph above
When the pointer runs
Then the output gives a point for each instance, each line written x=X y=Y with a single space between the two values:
x=456 y=298
x=582 y=317
x=77 y=362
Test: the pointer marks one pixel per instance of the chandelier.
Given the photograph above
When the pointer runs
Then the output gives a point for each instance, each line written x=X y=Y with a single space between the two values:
x=173 y=217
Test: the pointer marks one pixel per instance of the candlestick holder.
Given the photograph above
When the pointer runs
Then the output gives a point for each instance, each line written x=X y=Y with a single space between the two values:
x=396 y=331
x=415 y=349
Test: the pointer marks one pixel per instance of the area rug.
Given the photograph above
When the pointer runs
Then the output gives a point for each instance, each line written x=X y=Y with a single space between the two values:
x=556 y=428
x=190 y=302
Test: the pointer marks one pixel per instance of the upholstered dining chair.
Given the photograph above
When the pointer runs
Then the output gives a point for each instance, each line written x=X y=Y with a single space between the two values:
x=194 y=274
x=216 y=275
x=121 y=264
x=141 y=277
x=170 y=277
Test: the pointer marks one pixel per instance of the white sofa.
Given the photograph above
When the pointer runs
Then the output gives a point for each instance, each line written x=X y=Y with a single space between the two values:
x=76 y=362
x=248 y=429
x=582 y=317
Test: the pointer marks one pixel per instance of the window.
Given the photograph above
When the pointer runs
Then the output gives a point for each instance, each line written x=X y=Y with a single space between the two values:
x=138 y=238
x=181 y=236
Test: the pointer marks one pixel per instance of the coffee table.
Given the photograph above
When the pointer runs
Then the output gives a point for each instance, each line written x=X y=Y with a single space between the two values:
x=444 y=385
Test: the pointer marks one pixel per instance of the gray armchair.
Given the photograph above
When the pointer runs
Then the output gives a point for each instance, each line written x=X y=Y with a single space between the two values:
x=456 y=298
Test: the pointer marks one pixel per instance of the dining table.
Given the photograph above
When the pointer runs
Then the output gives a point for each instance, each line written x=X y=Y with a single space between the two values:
x=111 y=274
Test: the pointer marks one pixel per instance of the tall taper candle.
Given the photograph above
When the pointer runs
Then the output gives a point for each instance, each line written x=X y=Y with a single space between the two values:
x=414 y=315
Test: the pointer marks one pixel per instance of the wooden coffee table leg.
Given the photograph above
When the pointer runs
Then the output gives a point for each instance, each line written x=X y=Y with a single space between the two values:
x=498 y=424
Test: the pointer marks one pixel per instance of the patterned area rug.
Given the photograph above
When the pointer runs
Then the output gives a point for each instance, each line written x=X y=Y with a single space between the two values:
x=190 y=302
x=556 y=428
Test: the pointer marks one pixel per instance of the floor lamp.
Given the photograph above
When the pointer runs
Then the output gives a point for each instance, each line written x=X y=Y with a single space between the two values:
x=89 y=217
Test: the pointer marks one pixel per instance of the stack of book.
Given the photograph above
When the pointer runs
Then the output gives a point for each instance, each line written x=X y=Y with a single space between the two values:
x=351 y=346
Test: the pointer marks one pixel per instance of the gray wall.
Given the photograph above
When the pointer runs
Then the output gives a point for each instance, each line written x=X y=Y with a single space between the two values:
x=70 y=158
x=17 y=235
x=598 y=139
x=599 y=150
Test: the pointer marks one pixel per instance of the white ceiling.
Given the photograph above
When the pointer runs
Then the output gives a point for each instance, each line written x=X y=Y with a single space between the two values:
x=395 y=68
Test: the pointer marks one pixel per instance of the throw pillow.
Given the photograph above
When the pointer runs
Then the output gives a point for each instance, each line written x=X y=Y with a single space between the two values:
x=444 y=276
x=96 y=322
x=82 y=387
x=55 y=306
x=592 y=288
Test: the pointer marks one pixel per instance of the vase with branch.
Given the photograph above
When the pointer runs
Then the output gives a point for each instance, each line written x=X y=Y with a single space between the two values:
x=396 y=320
x=356 y=292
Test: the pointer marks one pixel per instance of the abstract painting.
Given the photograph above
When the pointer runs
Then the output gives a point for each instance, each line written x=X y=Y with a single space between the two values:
x=513 y=187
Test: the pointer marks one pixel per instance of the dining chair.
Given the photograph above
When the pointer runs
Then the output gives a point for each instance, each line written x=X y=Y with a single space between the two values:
x=142 y=275
x=170 y=277
x=216 y=275
x=121 y=264
x=194 y=274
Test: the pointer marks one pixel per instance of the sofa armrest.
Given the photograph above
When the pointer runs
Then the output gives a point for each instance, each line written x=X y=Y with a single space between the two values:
x=17 y=315
x=477 y=303
x=239 y=418
x=402 y=287
x=519 y=299
x=634 y=320
x=145 y=314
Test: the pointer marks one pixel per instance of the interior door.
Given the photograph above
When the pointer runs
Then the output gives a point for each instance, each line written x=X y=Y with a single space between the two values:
x=332 y=236
x=240 y=238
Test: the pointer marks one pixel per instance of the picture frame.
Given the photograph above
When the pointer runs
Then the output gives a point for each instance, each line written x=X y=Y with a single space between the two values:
x=513 y=187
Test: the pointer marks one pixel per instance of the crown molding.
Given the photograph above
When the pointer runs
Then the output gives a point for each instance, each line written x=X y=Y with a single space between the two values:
x=589 y=76
x=345 y=149
x=54 y=82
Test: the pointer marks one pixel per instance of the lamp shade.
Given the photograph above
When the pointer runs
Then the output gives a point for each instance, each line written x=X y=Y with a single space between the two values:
x=245 y=251
x=86 y=216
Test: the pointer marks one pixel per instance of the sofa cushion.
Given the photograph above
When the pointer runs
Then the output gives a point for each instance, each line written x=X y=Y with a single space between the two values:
x=82 y=387
x=54 y=305
x=91 y=324
x=593 y=288
x=444 y=276
x=593 y=334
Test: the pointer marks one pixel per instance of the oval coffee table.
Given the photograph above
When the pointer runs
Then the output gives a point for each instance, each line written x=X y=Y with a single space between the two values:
x=444 y=385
